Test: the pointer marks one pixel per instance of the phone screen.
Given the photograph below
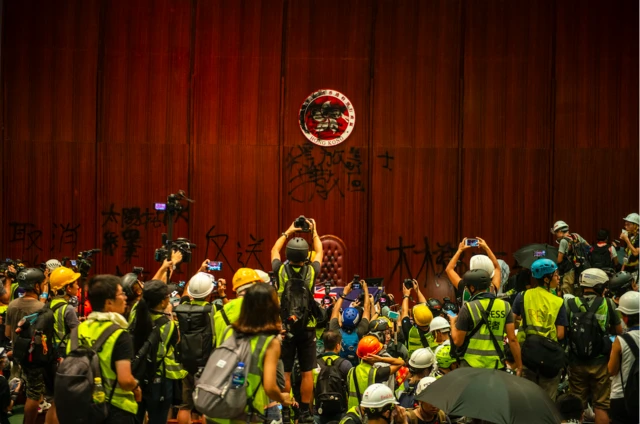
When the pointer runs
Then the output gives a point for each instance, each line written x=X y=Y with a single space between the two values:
x=393 y=315
x=539 y=253
x=73 y=262
x=472 y=242
x=327 y=301
x=182 y=284
x=356 y=286
x=161 y=206
x=214 y=266
x=450 y=313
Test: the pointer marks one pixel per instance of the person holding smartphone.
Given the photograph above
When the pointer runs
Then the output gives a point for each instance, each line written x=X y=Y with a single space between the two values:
x=487 y=262
x=417 y=334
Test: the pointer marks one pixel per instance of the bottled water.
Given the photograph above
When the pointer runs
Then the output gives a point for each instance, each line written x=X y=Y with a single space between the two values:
x=98 y=391
x=238 y=377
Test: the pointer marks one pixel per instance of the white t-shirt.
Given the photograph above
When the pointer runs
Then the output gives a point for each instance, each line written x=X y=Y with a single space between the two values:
x=617 y=391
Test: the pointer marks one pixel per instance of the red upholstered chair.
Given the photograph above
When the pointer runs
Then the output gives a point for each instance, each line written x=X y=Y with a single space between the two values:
x=334 y=263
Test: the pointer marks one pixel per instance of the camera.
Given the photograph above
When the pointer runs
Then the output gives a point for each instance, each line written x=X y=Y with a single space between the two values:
x=326 y=300
x=17 y=264
x=408 y=283
x=272 y=278
x=83 y=263
x=138 y=270
x=356 y=282
x=182 y=244
x=301 y=222
x=327 y=288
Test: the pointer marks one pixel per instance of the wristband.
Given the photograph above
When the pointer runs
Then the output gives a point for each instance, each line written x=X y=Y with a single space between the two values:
x=44 y=296
x=285 y=235
x=406 y=297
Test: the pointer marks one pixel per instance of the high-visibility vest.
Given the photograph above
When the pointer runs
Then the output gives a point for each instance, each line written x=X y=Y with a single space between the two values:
x=365 y=376
x=414 y=341
x=633 y=263
x=232 y=312
x=172 y=369
x=541 y=310
x=481 y=351
x=14 y=288
x=132 y=313
x=59 y=327
x=353 y=415
x=88 y=334
x=283 y=277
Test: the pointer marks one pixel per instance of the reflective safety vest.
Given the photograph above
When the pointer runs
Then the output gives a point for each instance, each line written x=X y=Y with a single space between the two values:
x=88 y=334
x=481 y=351
x=59 y=307
x=364 y=375
x=14 y=288
x=541 y=310
x=283 y=277
x=132 y=313
x=3 y=309
x=352 y=416
x=414 y=341
x=172 y=369
x=632 y=263
x=232 y=312
x=602 y=313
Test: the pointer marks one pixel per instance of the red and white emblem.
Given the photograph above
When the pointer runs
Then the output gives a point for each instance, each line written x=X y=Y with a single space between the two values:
x=327 y=117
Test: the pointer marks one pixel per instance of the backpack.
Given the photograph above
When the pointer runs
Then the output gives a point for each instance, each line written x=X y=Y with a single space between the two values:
x=587 y=339
x=146 y=363
x=297 y=301
x=577 y=256
x=196 y=335
x=407 y=397
x=331 y=389
x=600 y=257
x=33 y=347
x=350 y=340
x=543 y=356
x=213 y=395
x=631 y=392
x=74 y=382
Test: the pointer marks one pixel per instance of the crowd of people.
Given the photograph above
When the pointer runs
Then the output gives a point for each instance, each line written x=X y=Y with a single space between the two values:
x=262 y=349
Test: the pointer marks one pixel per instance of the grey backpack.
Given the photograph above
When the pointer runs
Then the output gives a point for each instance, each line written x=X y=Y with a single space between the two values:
x=74 y=382
x=213 y=395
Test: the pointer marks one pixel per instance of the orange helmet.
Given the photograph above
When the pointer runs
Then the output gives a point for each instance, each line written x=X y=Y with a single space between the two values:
x=368 y=345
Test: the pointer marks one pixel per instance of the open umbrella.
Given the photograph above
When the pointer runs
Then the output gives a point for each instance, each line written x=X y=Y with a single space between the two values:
x=491 y=395
x=530 y=253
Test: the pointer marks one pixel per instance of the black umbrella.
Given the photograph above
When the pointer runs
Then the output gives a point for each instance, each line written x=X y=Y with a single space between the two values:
x=530 y=253
x=491 y=395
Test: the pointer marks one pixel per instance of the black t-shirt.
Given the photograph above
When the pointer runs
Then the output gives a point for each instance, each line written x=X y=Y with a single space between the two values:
x=122 y=350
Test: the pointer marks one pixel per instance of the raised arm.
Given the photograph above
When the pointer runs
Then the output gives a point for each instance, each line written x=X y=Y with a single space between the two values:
x=497 y=275
x=279 y=244
x=451 y=266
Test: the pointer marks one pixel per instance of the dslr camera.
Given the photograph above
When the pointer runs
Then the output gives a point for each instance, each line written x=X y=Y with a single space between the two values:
x=83 y=264
x=302 y=224
x=182 y=245
x=408 y=283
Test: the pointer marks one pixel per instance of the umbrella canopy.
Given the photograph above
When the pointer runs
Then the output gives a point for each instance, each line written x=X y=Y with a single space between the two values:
x=491 y=395
x=530 y=253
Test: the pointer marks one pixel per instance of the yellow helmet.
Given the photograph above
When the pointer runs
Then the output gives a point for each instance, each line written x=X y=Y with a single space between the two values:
x=245 y=276
x=61 y=277
x=422 y=315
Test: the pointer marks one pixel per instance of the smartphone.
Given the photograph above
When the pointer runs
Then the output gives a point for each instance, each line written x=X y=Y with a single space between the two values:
x=74 y=262
x=450 y=313
x=356 y=282
x=181 y=284
x=472 y=242
x=539 y=253
x=214 y=266
x=272 y=278
x=161 y=206
x=393 y=315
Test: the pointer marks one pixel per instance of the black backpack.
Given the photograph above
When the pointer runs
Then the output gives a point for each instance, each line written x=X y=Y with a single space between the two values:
x=196 y=335
x=630 y=387
x=146 y=362
x=577 y=255
x=297 y=302
x=331 y=389
x=587 y=339
x=33 y=347
x=74 y=383
x=543 y=356
x=600 y=257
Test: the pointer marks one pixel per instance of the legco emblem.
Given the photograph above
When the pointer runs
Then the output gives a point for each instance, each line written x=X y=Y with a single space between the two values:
x=327 y=117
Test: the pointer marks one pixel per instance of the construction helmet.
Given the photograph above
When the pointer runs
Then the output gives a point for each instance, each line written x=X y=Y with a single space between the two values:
x=543 y=267
x=29 y=277
x=422 y=358
x=377 y=328
x=263 y=275
x=482 y=262
x=422 y=315
x=441 y=324
x=350 y=318
x=629 y=303
x=243 y=277
x=621 y=283
x=593 y=277
x=200 y=285
x=52 y=264
x=378 y=396
x=424 y=383
x=297 y=250
x=633 y=218
x=559 y=226
x=443 y=356
x=61 y=277
x=368 y=345
x=478 y=278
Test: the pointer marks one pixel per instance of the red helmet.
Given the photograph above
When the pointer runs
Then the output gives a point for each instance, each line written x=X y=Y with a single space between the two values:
x=369 y=345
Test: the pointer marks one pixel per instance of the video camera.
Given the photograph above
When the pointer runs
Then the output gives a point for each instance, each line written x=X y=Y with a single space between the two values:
x=17 y=264
x=182 y=244
x=83 y=263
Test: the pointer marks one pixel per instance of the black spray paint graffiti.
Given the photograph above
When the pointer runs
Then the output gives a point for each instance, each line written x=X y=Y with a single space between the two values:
x=319 y=167
x=387 y=160
x=29 y=237
x=245 y=257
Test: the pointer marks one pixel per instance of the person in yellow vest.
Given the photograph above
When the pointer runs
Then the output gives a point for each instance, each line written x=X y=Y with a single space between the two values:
x=365 y=374
x=482 y=324
x=157 y=397
x=379 y=406
x=630 y=241
x=108 y=303
x=441 y=329
x=446 y=362
x=416 y=335
x=421 y=365
x=63 y=283
x=259 y=318
x=332 y=342
x=542 y=313
x=132 y=287
x=242 y=280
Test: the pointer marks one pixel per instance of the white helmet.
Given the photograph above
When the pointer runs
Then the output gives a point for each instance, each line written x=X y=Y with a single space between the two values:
x=482 y=262
x=423 y=384
x=629 y=303
x=439 y=323
x=559 y=225
x=378 y=396
x=422 y=358
x=52 y=264
x=634 y=218
x=200 y=285
x=263 y=275
x=592 y=277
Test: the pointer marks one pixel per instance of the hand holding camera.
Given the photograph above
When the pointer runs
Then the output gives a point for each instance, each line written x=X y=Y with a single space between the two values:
x=407 y=286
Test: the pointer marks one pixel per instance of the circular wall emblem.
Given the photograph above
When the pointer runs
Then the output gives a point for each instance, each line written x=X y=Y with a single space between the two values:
x=327 y=117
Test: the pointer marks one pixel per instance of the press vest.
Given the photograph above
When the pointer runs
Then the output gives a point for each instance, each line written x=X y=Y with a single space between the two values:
x=232 y=310
x=481 y=352
x=88 y=333
x=541 y=310
x=365 y=375
x=172 y=369
x=414 y=341
x=283 y=278
x=59 y=327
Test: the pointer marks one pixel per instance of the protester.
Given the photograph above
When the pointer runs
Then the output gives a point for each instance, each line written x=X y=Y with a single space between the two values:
x=64 y=285
x=421 y=365
x=446 y=362
x=354 y=324
x=132 y=287
x=441 y=330
x=425 y=413
x=380 y=407
x=630 y=242
x=570 y=256
x=487 y=262
x=621 y=283
x=332 y=341
x=416 y=335
x=570 y=407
